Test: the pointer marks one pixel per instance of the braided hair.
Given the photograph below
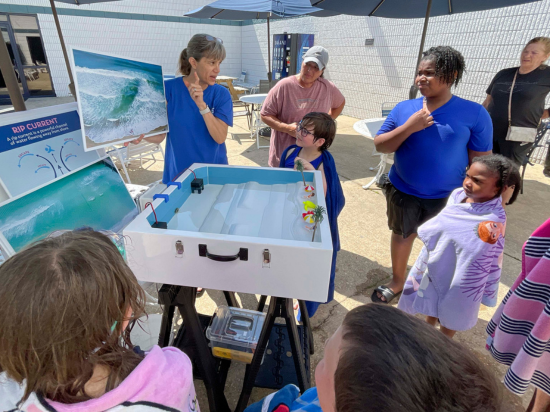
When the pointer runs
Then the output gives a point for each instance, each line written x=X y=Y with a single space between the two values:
x=505 y=169
x=449 y=63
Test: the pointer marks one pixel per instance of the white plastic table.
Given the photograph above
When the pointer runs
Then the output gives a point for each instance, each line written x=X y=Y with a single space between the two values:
x=256 y=100
x=369 y=128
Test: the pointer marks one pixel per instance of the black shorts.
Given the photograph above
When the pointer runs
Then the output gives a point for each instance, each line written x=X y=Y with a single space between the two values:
x=407 y=212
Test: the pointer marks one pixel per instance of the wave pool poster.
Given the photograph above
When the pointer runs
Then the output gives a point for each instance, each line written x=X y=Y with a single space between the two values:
x=94 y=196
x=38 y=146
x=118 y=99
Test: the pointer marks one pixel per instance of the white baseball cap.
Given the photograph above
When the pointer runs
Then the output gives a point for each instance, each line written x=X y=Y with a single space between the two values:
x=318 y=55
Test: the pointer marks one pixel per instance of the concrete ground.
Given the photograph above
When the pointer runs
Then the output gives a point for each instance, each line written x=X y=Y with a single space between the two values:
x=364 y=261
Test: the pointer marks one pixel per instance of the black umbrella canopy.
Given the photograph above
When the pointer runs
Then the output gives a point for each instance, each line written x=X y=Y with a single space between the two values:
x=80 y=2
x=413 y=9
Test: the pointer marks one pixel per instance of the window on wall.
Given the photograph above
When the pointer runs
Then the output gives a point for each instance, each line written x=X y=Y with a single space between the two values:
x=32 y=55
x=16 y=68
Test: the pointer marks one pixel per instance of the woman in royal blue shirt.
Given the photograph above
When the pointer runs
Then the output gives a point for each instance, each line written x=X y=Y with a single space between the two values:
x=434 y=138
x=199 y=110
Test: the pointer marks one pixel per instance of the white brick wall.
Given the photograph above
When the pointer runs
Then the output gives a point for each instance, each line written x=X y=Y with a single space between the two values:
x=366 y=75
x=154 y=41
x=370 y=75
x=160 y=7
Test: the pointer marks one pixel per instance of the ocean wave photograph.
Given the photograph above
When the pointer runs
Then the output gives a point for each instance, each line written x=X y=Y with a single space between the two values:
x=119 y=99
x=94 y=196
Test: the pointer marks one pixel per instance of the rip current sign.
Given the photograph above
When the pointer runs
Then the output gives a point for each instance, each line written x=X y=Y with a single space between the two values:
x=39 y=146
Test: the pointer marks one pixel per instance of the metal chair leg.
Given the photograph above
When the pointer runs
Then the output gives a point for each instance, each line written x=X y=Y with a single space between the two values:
x=261 y=303
x=254 y=367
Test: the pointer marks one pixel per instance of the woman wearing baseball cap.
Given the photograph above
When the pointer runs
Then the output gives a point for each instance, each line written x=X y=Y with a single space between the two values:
x=295 y=96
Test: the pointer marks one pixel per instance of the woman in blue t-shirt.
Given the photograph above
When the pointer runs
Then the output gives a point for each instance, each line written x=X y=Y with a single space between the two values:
x=434 y=139
x=199 y=110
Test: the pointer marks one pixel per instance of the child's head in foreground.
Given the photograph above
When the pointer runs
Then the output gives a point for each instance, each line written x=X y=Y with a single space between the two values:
x=316 y=129
x=491 y=176
x=382 y=359
x=66 y=303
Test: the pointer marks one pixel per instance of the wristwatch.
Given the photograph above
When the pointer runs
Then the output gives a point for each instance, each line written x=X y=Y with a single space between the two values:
x=206 y=110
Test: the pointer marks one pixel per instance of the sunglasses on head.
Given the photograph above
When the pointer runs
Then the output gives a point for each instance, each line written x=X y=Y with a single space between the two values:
x=212 y=38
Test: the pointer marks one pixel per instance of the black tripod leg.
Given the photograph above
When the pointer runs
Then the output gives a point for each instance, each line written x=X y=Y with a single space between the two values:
x=254 y=367
x=307 y=325
x=166 y=325
x=207 y=364
x=231 y=299
x=261 y=303
x=296 y=347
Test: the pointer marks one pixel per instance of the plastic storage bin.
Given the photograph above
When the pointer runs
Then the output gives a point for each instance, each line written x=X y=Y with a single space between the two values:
x=234 y=333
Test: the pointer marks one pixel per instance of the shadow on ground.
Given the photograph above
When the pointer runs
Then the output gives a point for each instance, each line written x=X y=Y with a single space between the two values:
x=325 y=322
x=353 y=157
x=364 y=261
x=528 y=212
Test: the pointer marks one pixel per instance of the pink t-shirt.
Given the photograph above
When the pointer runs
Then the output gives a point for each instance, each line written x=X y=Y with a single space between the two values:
x=289 y=102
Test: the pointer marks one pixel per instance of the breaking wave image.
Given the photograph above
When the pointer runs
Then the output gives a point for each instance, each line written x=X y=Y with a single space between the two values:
x=119 y=98
x=94 y=196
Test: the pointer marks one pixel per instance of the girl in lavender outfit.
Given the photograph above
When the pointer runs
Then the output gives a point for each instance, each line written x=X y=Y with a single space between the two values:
x=460 y=264
x=64 y=336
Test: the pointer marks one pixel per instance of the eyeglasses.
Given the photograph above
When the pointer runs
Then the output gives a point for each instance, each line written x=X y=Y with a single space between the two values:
x=303 y=131
x=212 y=38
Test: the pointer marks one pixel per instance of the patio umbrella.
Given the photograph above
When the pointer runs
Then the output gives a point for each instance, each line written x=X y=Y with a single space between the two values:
x=258 y=9
x=58 y=26
x=412 y=9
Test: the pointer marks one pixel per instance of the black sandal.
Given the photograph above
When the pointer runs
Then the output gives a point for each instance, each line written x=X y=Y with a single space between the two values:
x=384 y=291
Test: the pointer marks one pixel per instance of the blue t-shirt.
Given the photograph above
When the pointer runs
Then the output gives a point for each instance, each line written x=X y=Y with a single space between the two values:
x=188 y=140
x=431 y=163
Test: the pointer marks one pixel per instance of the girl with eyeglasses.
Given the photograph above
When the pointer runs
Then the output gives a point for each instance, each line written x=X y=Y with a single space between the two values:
x=199 y=110
x=314 y=135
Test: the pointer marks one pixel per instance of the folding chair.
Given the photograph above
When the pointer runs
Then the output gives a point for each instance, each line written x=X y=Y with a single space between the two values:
x=241 y=82
x=369 y=128
x=264 y=86
x=244 y=110
x=539 y=150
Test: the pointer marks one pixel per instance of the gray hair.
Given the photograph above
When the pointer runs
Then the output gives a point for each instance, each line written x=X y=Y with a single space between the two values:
x=198 y=47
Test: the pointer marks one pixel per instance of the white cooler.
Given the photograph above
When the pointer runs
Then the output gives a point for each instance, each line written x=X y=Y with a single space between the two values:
x=243 y=233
